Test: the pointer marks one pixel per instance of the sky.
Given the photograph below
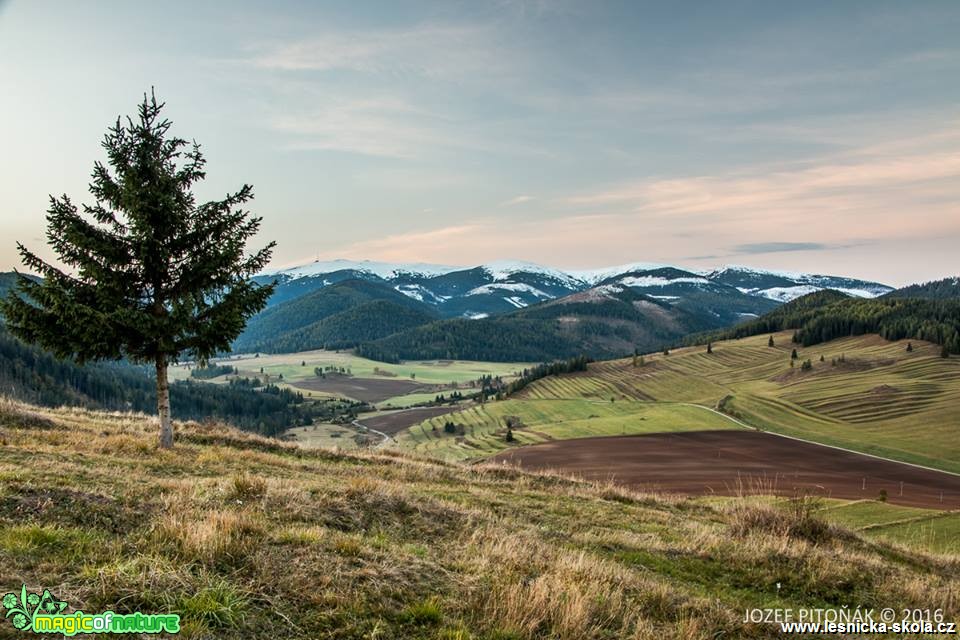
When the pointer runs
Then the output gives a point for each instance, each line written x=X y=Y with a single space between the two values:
x=809 y=136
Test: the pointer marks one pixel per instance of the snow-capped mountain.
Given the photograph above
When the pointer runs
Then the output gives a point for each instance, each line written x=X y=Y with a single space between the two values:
x=729 y=293
x=784 y=286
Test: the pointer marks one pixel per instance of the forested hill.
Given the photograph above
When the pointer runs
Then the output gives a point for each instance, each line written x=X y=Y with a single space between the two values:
x=311 y=321
x=604 y=322
x=948 y=288
x=826 y=315
x=365 y=322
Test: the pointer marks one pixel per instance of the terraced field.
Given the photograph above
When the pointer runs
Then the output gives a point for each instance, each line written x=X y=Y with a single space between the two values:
x=866 y=393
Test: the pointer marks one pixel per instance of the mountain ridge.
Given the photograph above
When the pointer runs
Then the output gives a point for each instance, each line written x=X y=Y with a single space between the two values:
x=502 y=286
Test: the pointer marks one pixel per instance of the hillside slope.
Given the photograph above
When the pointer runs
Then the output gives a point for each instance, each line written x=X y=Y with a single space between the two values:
x=245 y=537
x=296 y=325
x=866 y=393
x=826 y=315
x=948 y=288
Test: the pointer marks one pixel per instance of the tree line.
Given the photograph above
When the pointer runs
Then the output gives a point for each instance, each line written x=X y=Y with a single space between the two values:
x=828 y=315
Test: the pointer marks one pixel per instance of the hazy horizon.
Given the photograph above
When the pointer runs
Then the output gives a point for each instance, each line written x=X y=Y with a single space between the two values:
x=819 y=137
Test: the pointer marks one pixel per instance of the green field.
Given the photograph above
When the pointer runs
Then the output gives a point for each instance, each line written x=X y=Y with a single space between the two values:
x=928 y=530
x=879 y=399
x=543 y=420
x=325 y=436
x=924 y=529
x=408 y=400
x=300 y=366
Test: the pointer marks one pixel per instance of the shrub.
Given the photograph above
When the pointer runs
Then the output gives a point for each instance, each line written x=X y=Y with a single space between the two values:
x=796 y=519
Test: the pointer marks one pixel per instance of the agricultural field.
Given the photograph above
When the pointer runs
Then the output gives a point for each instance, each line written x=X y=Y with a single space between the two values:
x=329 y=436
x=730 y=462
x=866 y=394
x=484 y=426
x=391 y=382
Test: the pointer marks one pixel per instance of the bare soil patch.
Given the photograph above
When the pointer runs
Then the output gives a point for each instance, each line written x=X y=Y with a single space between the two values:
x=731 y=462
x=364 y=389
x=396 y=421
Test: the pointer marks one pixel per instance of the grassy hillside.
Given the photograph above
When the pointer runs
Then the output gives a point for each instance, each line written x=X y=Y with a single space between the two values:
x=245 y=537
x=867 y=394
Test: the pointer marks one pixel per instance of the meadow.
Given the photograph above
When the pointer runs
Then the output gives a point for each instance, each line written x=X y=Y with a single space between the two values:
x=299 y=367
x=248 y=537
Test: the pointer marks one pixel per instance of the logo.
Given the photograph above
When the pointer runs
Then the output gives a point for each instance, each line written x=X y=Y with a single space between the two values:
x=45 y=614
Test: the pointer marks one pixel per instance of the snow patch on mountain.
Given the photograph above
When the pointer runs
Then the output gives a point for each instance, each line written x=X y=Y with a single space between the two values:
x=382 y=269
x=508 y=286
x=505 y=269
x=859 y=293
x=516 y=301
x=781 y=294
x=593 y=276
x=420 y=293
x=656 y=281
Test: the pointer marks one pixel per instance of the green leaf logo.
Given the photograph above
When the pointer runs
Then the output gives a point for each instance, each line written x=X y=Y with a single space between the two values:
x=23 y=608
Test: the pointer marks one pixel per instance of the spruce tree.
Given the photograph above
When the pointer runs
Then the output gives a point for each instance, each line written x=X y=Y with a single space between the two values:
x=150 y=273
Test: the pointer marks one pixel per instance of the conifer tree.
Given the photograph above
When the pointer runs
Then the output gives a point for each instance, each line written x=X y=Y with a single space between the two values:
x=150 y=273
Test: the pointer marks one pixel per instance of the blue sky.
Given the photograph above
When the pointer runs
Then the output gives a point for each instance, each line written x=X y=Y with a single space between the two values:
x=817 y=136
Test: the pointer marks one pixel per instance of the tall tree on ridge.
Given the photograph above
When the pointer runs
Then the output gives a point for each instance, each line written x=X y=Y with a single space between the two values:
x=151 y=274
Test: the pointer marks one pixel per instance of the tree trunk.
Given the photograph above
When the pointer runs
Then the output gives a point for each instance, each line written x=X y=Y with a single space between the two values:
x=163 y=404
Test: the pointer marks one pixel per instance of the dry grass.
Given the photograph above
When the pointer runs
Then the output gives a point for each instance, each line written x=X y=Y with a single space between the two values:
x=247 y=537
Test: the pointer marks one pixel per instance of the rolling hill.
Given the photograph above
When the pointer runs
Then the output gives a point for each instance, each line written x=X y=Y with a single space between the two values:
x=606 y=321
x=826 y=315
x=867 y=394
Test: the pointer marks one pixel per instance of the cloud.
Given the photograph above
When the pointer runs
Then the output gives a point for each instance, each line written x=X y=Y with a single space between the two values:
x=435 y=50
x=779 y=247
x=517 y=200
x=377 y=126
x=866 y=201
